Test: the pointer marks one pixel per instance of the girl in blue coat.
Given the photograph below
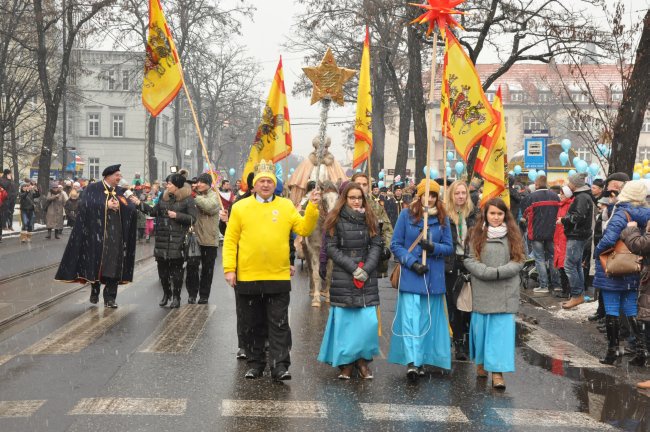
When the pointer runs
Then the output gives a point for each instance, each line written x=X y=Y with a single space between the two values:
x=421 y=327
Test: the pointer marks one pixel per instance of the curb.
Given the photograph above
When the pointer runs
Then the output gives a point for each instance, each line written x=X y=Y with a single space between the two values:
x=47 y=303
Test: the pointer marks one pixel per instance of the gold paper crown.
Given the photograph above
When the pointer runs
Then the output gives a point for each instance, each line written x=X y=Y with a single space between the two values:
x=264 y=167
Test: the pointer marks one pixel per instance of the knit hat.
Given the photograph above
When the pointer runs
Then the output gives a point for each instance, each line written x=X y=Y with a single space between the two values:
x=433 y=187
x=633 y=191
x=205 y=178
x=566 y=190
x=578 y=180
x=177 y=180
x=265 y=169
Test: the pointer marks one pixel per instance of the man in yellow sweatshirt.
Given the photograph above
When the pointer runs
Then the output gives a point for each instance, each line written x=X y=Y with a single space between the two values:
x=256 y=264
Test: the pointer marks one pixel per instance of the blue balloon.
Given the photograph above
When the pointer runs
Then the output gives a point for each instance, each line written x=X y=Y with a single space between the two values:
x=460 y=167
x=594 y=168
x=575 y=161
x=564 y=158
x=433 y=173
x=566 y=144
x=572 y=172
x=517 y=169
x=358 y=170
x=293 y=169
x=636 y=176
x=448 y=171
x=278 y=171
x=231 y=171
x=541 y=173
x=380 y=184
x=582 y=166
x=511 y=173
x=381 y=175
x=450 y=155
x=532 y=175
x=446 y=164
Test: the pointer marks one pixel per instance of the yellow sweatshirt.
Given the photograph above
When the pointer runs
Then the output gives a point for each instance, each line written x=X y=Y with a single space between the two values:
x=256 y=244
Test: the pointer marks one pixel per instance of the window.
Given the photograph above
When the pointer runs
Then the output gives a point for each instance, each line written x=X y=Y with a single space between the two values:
x=617 y=96
x=93 y=168
x=531 y=123
x=583 y=153
x=164 y=132
x=544 y=97
x=110 y=75
x=644 y=153
x=163 y=168
x=579 y=97
x=645 y=127
x=118 y=125
x=517 y=96
x=93 y=125
x=490 y=96
x=125 y=80
x=411 y=154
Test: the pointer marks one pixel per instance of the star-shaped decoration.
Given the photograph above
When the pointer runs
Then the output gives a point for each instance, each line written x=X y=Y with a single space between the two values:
x=328 y=79
x=439 y=12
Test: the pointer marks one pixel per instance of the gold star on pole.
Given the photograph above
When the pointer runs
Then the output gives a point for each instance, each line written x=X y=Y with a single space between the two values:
x=328 y=79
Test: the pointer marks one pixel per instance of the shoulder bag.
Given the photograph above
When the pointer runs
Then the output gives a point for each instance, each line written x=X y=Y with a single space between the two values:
x=192 y=249
x=394 y=276
x=619 y=261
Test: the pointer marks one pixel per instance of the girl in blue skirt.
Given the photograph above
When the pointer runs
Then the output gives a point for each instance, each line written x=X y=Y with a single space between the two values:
x=495 y=259
x=354 y=244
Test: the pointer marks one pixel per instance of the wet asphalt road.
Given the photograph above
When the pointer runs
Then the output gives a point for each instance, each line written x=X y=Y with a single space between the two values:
x=77 y=367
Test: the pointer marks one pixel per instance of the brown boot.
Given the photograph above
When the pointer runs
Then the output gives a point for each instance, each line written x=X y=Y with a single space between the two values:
x=28 y=237
x=573 y=302
x=364 y=370
x=497 y=380
x=644 y=385
x=481 y=372
x=23 y=236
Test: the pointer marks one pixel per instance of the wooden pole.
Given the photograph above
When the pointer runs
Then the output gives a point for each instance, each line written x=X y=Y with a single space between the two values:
x=427 y=175
x=198 y=131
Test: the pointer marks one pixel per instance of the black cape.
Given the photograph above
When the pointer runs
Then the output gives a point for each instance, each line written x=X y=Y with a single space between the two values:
x=82 y=259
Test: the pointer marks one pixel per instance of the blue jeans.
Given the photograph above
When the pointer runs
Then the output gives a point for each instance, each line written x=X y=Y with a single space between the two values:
x=28 y=220
x=543 y=254
x=573 y=266
x=617 y=300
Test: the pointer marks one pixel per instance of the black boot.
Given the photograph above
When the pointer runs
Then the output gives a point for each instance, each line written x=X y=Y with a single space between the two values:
x=612 y=325
x=460 y=351
x=176 y=301
x=56 y=233
x=167 y=295
x=49 y=234
x=640 y=331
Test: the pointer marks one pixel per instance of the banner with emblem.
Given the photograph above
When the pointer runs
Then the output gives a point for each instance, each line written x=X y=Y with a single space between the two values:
x=163 y=77
x=464 y=110
x=363 y=122
x=273 y=138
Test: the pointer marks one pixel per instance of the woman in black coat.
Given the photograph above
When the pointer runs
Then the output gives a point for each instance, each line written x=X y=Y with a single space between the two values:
x=354 y=244
x=175 y=212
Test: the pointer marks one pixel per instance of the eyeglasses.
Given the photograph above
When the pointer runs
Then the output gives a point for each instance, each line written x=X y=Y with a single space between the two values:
x=355 y=198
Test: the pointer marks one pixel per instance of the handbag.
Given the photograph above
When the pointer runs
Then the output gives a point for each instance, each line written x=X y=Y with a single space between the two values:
x=619 y=261
x=192 y=249
x=464 y=300
x=395 y=274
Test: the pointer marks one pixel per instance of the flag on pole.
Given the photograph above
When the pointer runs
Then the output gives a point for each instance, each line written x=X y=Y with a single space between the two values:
x=163 y=77
x=464 y=110
x=273 y=137
x=491 y=158
x=363 y=122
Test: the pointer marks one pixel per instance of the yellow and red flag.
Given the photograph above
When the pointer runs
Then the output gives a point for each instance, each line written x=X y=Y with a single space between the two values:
x=273 y=137
x=491 y=159
x=363 y=122
x=163 y=77
x=464 y=110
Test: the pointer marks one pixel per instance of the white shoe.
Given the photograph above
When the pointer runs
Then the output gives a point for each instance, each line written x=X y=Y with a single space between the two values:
x=540 y=290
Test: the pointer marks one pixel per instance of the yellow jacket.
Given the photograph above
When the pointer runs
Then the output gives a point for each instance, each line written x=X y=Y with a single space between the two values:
x=256 y=244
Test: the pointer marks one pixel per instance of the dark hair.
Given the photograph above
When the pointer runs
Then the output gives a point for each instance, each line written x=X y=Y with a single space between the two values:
x=224 y=181
x=311 y=185
x=541 y=181
x=417 y=209
x=478 y=235
x=357 y=175
x=334 y=214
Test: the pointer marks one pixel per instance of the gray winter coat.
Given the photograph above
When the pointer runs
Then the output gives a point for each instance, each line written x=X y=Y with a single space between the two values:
x=207 y=222
x=495 y=278
x=351 y=244
x=54 y=214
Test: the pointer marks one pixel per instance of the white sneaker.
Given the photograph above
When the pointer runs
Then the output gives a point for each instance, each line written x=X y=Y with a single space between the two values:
x=540 y=290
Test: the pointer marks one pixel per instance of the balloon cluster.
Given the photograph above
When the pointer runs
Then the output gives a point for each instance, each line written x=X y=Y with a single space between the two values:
x=642 y=170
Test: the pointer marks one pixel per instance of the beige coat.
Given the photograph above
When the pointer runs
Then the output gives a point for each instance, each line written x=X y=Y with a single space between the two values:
x=54 y=215
x=207 y=223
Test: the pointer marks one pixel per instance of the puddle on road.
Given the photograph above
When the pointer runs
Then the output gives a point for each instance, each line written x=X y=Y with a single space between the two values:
x=601 y=396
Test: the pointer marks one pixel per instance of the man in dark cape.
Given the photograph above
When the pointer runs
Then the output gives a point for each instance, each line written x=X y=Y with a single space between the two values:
x=101 y=248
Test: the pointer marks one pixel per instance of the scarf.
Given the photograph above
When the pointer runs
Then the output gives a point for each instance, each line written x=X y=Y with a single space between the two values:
x=433 y=211
x=497 y=232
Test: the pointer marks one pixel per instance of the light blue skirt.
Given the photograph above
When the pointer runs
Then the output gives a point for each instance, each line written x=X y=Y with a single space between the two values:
x=350 y=334
x=492 y=341
x=416 y=338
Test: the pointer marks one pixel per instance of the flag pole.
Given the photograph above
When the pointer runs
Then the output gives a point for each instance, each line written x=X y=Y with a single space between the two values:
x=198 y=131
x=427 y=175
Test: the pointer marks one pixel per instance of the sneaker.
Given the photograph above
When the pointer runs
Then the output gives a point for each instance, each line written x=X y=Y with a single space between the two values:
x=241 y=354
x=282 y=375
x=412 y=372
x=254 y=373
x=540 y=290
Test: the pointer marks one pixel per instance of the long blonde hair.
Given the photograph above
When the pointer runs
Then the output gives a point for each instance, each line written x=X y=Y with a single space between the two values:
x=450 y=207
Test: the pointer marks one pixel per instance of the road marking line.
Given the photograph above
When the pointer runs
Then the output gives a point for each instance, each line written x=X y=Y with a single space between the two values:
x=548 y=418
x=270 y=408
x=5 y=358
x=551 y=345
x=179 y=331
x=420 y=413
x=80 y=332
x=23 y=408
x=129 y=406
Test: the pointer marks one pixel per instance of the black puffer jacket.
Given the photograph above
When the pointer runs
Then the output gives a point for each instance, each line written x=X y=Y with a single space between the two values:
x=578 y=220
x=170 y=233
x=351 y=244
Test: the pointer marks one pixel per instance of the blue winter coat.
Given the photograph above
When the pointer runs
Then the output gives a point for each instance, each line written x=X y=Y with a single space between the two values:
x=406 y=231
x=611 y=234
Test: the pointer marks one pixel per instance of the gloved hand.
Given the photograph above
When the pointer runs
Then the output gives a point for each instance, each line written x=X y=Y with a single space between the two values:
x=360 y=274
x=385 y=254
x=420 y=269
x=427 y=245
